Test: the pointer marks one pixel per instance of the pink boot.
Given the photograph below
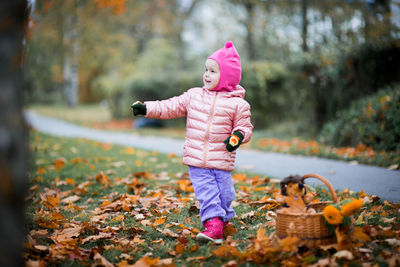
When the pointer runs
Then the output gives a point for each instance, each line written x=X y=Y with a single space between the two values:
x=213 y=231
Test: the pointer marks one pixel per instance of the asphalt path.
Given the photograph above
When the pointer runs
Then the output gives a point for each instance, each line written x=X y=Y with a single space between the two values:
x=373 y=180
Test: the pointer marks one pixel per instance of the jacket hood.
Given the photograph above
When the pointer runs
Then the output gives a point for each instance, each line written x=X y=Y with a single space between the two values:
x=228 y=61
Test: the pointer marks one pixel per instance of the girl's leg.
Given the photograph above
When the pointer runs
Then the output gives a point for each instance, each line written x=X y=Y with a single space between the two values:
x=207 y=193
x=227 y=192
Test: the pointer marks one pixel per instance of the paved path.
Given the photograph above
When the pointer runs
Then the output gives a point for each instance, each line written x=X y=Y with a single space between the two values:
x=374 y=180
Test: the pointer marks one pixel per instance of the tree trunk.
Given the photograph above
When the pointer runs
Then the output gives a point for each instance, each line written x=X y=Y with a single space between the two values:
x=71 y=56
x=251 y=48
x=304 y=32
x=13 y=133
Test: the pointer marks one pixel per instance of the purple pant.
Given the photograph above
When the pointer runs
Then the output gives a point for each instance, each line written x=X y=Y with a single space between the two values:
x=215 y=192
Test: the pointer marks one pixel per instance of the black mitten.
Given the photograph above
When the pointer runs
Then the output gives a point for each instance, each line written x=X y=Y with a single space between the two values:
x=234 y=141
x=138 y=108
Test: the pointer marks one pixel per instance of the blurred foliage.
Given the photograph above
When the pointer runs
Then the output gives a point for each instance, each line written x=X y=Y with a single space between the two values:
x=302 y=60
x=330 y=83
x=373 y=120
x=156 y=74
x=265 y=90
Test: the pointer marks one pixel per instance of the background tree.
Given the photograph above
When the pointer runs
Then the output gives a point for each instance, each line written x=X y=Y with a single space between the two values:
x=13 y=133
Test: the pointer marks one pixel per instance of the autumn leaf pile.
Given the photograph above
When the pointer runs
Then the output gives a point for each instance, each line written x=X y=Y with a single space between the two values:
x=103 y=205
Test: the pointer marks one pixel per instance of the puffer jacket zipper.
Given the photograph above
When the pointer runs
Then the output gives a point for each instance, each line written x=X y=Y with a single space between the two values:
x=208 y=130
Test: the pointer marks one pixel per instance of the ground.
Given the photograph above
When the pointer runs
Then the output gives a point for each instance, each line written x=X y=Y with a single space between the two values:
x=97 y=203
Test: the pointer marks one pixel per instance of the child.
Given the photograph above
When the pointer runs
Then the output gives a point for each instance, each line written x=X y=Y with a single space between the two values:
x=218 y=121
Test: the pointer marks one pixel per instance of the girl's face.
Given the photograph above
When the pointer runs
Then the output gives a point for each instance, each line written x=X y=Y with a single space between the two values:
x=211 y=74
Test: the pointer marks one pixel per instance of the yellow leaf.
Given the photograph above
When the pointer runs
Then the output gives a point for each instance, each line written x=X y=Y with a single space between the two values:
x=159 y=221
x=226 y=251
x=146 y=261
x=59 y=163
x=262 y=234
x=129 y=150
x=40 y=170
x=118 y=218
x=239 y=177
x=180 y=248
x=360 y=235
x=289 y=243
x=70 y=181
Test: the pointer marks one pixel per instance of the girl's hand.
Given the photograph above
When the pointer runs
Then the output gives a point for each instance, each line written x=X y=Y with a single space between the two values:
x=138 y=108
x=234 y=141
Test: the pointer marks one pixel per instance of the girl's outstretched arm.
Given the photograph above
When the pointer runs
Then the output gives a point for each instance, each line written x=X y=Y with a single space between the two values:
x=171 y=108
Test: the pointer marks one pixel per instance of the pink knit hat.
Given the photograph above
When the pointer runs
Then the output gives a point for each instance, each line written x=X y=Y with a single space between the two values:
x=229 y=65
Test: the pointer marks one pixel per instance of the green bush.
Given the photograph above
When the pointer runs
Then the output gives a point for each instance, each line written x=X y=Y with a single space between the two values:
x=333 y=82
x=374 y=121
x=268 y=92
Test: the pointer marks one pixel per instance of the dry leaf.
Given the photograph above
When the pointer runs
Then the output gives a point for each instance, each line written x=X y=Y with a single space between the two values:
x=41 y=248
x=393 y=242
x=96 y=237
x=360 y=235
x=159 y=221
x=230 y=264
x=289 y=244
x=103 y=261
x=168 y=232
x=344 y=254
x=59 y=163
x=146 y=261
x=31 y=263
x=70 y=199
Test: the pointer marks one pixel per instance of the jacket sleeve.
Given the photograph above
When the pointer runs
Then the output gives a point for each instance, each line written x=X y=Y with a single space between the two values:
x=242 y=121
x=171 y=108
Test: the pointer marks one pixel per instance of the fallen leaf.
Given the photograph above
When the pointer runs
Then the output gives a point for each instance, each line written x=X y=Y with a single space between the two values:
x=118 y=164
x=344 y=254
x=360 y=235
x=70 y=199
x=393 y=167
x=289 y=243
x=393 y=242
x=159 y=221
x=39 y=263
x=168 y=232
x=59 y=163
x=41 y=248
x=231 y=263
x=129 y=150
x=146 y=261
x=101 y=260
x=96 y=237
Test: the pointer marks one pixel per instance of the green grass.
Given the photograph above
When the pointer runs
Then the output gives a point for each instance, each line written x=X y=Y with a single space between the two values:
x=83 y=114
x=83 y=161
x=156 y=197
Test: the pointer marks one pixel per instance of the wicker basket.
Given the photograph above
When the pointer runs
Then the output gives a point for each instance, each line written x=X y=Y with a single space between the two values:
x=309 y=228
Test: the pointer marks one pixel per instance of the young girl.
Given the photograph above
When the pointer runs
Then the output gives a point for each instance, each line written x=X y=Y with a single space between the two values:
x=218 y=121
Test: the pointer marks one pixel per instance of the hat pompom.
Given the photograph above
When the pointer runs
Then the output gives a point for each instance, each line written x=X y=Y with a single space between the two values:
x=228 y=44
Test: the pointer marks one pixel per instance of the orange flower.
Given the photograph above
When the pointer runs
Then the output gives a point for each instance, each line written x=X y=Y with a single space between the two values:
x=332 y=215
x=352 y=207
x=234 y=140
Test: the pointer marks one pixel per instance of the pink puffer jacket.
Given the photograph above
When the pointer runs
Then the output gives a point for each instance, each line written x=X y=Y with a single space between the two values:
x=211 y=118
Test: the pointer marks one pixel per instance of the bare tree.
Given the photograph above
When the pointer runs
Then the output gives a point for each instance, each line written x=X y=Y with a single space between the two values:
x=13 y=133
x=304 y=32
x=71 y=56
